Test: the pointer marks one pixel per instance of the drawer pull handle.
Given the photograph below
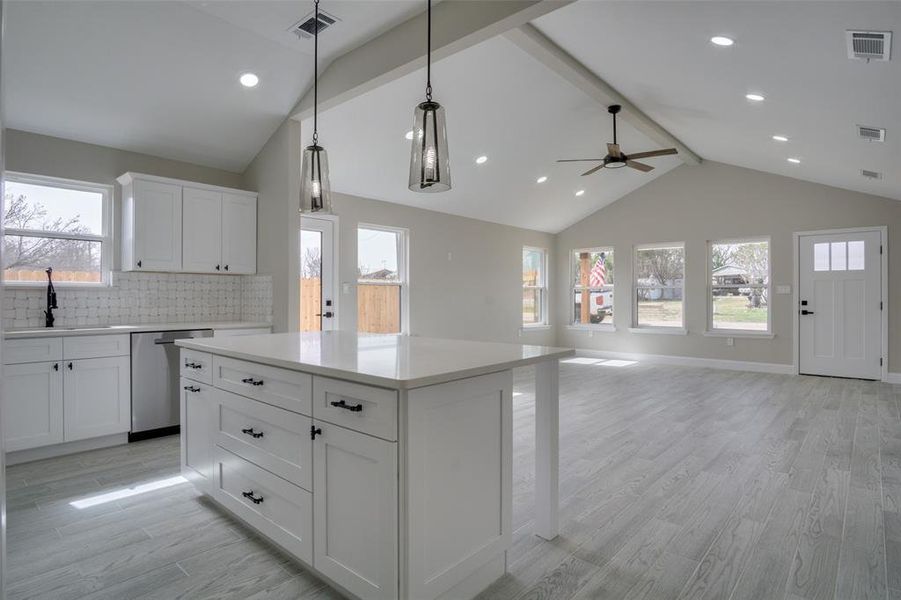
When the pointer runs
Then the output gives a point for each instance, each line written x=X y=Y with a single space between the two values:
x=254 y=434
x=252 y=381
x=191 y=388
x=346 y=406
x=194 y=365
x=249 y=495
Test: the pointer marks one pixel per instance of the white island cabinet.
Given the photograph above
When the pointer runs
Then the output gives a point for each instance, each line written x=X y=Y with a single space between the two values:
x=382 y=462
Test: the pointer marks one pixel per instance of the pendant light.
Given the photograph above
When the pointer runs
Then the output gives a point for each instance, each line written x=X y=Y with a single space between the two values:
x=315 y=192
x=429 y=162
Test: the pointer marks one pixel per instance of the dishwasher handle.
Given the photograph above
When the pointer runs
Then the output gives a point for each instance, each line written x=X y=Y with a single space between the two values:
x=162 y=341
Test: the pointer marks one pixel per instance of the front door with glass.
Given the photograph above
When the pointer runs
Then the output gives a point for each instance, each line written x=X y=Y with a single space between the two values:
x=317 y=298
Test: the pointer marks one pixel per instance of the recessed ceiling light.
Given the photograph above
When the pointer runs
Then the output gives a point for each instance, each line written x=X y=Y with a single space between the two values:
x=580 y=193
x=755 y=97
x=721 y=40
x=481 y=160
x=541 y=179
x=794 y=161
x=249 y=80
x=780 y=138
x=409 y=135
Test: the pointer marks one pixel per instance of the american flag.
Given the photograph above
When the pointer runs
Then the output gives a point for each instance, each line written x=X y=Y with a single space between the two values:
x=598 y=276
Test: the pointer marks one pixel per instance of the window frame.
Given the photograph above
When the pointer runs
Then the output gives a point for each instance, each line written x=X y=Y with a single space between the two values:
x=664 y=329
x=105 y=237
x=403 y=269
x=572 y=289
x=543 y=290
x=721 y=331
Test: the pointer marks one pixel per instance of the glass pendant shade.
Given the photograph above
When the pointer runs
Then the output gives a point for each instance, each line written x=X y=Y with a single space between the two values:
x=315 y=192
x=429 y=162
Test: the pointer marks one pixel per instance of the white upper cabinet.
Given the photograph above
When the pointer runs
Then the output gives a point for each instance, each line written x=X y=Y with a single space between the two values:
x=202 y=227
x=182 y=227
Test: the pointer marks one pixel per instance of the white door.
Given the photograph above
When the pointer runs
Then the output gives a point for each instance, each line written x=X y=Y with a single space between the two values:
x=196 y=433
x=355 y=511
x=97 y=397
x=157 y=226
x=32 y=405
x=239 y=234
x=317 y=281
x=201 y=230
x=840 y=296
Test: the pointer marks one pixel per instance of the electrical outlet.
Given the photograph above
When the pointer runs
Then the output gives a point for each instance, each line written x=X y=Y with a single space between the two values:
x=345 y=288
x=730 y=341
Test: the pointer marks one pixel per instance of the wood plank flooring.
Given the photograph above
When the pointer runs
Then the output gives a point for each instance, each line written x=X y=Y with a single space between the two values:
x=676 y=482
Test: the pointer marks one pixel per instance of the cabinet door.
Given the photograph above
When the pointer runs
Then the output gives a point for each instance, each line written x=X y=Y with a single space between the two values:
x=32 y=405
x=196 y=433
x=157 y=226
x=97 y=397
x=239 y=233
x=355 y=511
x=201 y=230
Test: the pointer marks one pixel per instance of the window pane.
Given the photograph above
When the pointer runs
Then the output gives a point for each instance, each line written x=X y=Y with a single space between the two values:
x=599 y=306
x=593 y=273
x=377 y=255
x=659 y=307
x=378 y=308
x=821 y=257
x=659 y=274
x=838 y=256
x=740 y=285
x=310 y=280
x=25 y=258
x=856 y=252
x=660 y=266
x=531 y=268
x=531 y=306
x=598 y=263
x=46 y=208
x=741 y=309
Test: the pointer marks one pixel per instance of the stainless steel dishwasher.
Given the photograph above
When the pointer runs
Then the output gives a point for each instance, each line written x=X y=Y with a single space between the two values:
x=154 y=382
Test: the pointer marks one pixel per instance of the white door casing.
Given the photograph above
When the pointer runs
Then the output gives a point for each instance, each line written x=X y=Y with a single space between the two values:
x=840 y=307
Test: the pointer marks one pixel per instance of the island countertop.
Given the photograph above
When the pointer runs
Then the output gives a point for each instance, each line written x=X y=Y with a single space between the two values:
x=386 y=360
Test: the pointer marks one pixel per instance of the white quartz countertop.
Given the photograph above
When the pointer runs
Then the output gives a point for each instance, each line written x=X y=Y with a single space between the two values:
x=392 y=361
x=37 y=332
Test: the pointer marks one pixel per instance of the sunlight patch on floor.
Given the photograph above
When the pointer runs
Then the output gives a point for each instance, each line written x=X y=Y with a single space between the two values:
x=604 y=362
x=159 y=484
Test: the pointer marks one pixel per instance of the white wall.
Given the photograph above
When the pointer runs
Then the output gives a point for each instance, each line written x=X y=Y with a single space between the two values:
x=716 y=201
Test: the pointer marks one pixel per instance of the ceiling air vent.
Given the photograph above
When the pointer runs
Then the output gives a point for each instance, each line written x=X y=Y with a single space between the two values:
x=306 y=27
x=871 y=134
x=871 y=174
x=869 y=45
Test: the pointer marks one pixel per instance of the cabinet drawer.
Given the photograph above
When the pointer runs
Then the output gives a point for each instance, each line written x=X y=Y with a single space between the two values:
x=287 y=389
x=32 y=350
x=196 y=365
x=273 y=438
x=359 y=407
x=96 y=346
x=278 y=509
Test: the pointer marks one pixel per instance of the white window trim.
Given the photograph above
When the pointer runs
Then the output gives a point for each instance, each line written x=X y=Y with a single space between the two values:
x=712 y=331
x=663 y=329
x=403 y=269
x=543 y=291
x=105 y=238
x=603 y=327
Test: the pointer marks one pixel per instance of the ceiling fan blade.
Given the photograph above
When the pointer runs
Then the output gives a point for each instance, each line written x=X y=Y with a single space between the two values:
x=639 y=166
x=580 y=159
x=613 y=149
x=651 y=153
x=590 y=171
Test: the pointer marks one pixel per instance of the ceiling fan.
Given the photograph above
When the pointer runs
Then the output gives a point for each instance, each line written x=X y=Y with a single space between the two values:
x=615 y=158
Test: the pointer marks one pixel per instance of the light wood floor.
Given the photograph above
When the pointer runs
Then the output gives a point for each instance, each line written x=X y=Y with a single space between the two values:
x=675 y=483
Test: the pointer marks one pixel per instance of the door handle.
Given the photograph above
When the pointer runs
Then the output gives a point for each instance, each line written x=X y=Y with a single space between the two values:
x=327 y=315
x=226 y=267
x=56 y=366
x=346 y=406
x=139 y=264
x=217 y=267
x=191 y=388
x=70 y=366
x=314 y=431
x=193 y=365
x=254 y=434
x=806 y=312
x=249 y=495
x=252 y=381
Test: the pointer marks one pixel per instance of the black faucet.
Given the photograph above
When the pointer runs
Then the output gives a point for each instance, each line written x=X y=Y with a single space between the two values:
x=51 y=298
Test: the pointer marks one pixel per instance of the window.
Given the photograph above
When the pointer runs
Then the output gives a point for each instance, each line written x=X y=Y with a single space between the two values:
x=845 y=256
x=534 y=287
x=659 y=283
x=592 y=286
x=56 y=223
x=381 y=279
x=740 y=285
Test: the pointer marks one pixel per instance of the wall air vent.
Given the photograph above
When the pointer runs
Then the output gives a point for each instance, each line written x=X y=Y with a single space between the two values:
x=871 y=174
x=871 y=134
x=869 y=45
x=305 y=28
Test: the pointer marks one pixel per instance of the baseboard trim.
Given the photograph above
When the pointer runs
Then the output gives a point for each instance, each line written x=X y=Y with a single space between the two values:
x=893 y=378
x=692 y=361
x=32 y=454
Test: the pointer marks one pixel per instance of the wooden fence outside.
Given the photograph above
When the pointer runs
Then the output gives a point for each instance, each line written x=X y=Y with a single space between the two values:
x=41 y=276
x=378 y=307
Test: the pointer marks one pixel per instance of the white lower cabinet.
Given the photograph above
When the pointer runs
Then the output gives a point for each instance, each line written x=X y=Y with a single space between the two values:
x=97 y=397
x=196 y=433
x=33 y=405
x=355 y=511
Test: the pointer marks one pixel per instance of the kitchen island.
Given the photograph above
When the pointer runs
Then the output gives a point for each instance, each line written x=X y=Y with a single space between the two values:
x=382 y=462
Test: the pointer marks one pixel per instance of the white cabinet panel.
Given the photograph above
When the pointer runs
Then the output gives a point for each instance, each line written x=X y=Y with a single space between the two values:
x=201 y=230
x=355 y=511
x=32 y=405
x=157 y=226
x=239 y=233
x=196 y=365
x=281 y=387
x=196 y=433
x=359 y=407
x=97 y=397
x=32 y=350
x=96 y=346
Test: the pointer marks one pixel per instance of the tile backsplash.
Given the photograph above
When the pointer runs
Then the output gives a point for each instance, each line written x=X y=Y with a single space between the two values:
x=146 y=298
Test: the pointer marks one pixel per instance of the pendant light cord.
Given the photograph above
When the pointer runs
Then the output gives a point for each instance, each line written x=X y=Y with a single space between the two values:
x=316 y=75
x=428 y=67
